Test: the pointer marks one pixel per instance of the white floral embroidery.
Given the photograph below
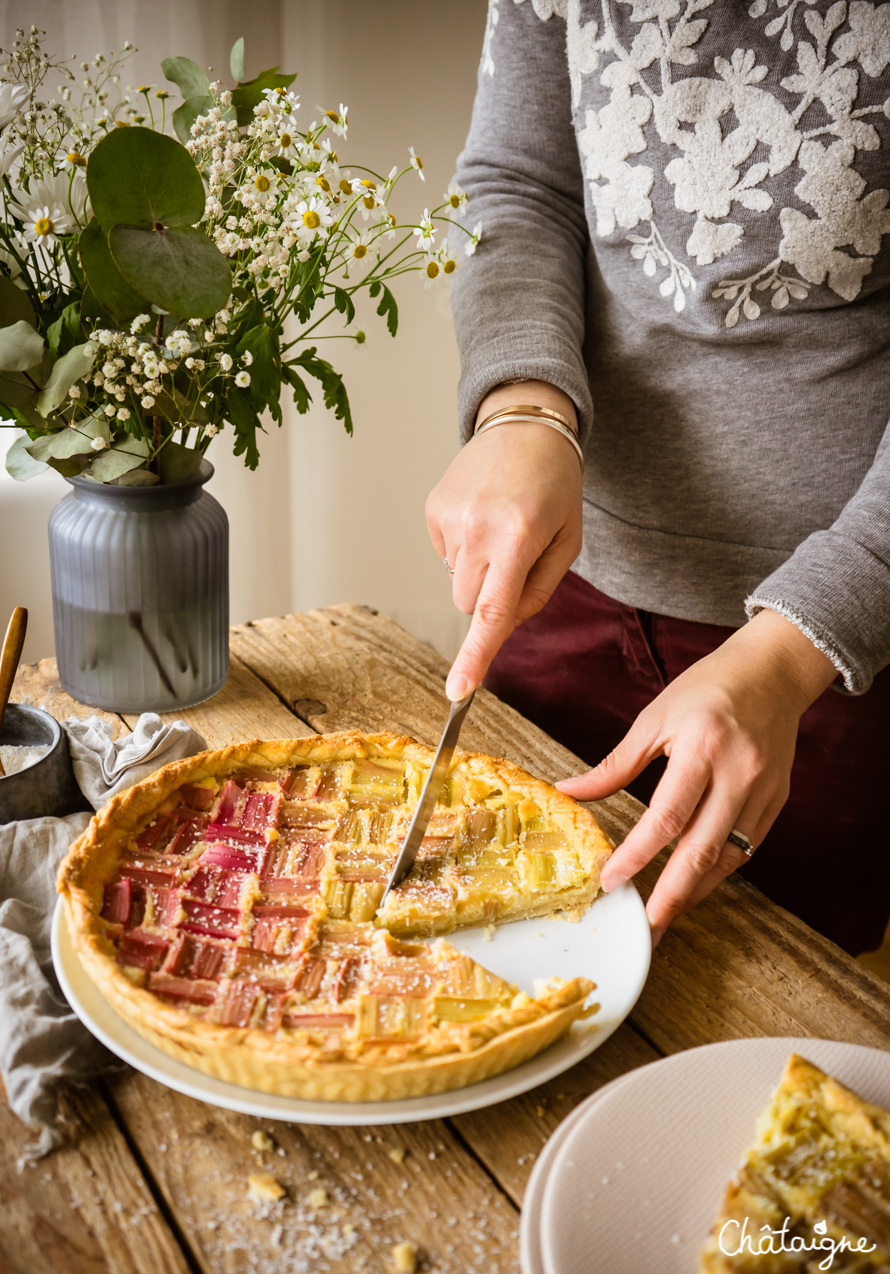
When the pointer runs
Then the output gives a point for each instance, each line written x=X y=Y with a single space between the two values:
x=717 y=124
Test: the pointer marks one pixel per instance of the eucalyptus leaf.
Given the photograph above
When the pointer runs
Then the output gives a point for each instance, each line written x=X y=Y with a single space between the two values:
x=14 y=304
x=20 y=464
x=246 y=96
x=107 y=284
x=76 y=440
x=69 y=466
x=180 y=270
x=177 y=463
x=186 y=114
x=120 y=459
x=70 y=368
x=138 y=177
x=18 y=392
x=236 y=60
x=187 y=76
x=21 y=348
x=66 y=332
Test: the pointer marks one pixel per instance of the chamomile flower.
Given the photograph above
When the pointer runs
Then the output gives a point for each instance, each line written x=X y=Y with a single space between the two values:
x=285 y=143
x=425 y=231
x=457 y=197
x=416 y=163
x=263 y=187
x=314 y=215
x=12 y=98
x=43 y=225
x=360 y=245
x=473 y=242
x=338 y=122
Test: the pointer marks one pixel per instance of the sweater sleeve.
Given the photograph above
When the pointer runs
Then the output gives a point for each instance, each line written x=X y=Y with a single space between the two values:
x=836 y=585
x=518 y=301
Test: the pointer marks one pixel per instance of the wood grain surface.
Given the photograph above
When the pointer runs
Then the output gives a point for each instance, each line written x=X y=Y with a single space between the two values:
x=737 y=966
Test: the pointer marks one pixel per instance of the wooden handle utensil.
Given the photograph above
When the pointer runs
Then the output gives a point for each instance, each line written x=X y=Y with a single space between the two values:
x=9 y=658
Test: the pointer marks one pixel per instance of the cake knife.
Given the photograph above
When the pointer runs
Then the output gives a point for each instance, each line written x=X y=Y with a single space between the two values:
x=430 y=793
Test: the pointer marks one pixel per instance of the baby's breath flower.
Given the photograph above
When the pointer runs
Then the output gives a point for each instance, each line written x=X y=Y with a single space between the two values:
x=225 y=361
x=74 y=391
x=139 y=322
x=242 y=379
x=123 y=413
x=247 y=358
x=147 y=402
x=98 y=444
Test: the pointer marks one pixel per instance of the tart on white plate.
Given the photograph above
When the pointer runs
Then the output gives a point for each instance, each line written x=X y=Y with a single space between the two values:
x=229 y=909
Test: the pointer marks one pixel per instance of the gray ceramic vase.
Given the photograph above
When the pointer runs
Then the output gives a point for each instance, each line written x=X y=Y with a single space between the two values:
x=140 y=579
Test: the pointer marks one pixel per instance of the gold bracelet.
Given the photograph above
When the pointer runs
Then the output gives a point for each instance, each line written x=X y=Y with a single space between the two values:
x=546 y=413
x=520 y=417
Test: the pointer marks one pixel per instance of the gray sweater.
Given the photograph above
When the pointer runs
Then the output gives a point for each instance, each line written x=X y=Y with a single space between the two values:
x=683 y=207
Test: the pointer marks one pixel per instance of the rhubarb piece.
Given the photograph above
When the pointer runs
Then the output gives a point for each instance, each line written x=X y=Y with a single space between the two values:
x=187 y=835
x=118 y=901
x=184 y=989
x=280 y=888
x=142 y=949
x=205 y=884
x=150 y=869
x=275 y=859
x=348 y=978
x=233 y=836
x=327 y=1021
x=300 y=782
x=229 y=858
x=153 y=835
x=231 y=802
x=252 y=774
x=214 y=922
x=310 y=977
x=196 y=797
x=166 y=904
x=190 y=957
x=389 y=1017
x=260 y=811
x=310 y=859
x=235 y=1003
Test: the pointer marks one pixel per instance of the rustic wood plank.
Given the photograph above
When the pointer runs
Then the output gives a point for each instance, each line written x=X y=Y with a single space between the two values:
x=84 y=1209
x=509 y=1137
x=38 y=685
x=439 y=1198
x=738 y=965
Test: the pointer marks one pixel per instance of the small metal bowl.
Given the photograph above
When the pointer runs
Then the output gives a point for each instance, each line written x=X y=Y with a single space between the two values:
x=47 y=787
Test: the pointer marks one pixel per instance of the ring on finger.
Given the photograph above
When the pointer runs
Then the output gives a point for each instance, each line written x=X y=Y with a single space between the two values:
x=448 y=567
x=742 y=842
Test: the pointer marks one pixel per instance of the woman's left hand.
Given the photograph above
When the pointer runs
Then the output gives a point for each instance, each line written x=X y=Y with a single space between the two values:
x=728 y=725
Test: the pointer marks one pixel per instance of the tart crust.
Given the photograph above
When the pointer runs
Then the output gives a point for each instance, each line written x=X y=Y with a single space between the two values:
x=306 y=1063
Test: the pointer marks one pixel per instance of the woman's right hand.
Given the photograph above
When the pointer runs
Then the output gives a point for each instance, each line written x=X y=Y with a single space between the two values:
x=507 y=517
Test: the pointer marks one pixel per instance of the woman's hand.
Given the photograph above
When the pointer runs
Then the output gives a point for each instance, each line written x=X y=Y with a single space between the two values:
x=729 y=726
x=507 y=517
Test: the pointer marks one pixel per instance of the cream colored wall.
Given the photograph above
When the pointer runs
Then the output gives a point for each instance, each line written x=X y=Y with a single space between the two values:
x=325 y=518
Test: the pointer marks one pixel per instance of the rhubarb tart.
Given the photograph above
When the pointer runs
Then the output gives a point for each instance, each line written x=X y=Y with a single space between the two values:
x=229 y=908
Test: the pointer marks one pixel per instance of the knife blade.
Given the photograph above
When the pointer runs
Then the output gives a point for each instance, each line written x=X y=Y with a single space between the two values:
x=430 y=793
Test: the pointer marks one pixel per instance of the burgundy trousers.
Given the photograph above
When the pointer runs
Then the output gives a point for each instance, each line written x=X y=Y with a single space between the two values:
x=585 y=667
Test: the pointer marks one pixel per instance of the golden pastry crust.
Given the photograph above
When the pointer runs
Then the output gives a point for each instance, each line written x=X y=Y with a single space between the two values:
x=312 y=1063
x=820 y=1167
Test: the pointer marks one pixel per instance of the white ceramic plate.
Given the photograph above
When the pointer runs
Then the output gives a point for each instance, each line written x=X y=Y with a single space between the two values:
x=530 y=1254
x=610 y=945
x=639 y=1178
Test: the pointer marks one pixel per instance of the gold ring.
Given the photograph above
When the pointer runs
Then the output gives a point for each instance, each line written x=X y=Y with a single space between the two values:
x=743 y=842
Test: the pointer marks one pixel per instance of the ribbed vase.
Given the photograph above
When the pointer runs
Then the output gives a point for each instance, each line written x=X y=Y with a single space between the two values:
x=140 y=580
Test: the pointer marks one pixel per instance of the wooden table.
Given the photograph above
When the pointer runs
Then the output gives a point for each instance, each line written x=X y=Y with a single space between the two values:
x=156 y=1182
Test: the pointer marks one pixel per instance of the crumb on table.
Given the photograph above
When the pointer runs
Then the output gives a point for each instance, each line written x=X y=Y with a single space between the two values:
x=262 y=1185
x=404 y=1258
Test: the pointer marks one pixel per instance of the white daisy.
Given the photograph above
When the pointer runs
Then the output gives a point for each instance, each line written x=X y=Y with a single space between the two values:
x=12 y=98
x=44 y=224
x=416 y=163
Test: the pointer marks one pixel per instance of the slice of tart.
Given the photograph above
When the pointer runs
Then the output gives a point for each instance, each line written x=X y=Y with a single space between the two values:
x=229 y=908
x=815 y=1186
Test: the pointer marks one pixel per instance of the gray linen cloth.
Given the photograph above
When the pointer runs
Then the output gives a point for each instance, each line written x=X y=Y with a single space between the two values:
x=42 y=1043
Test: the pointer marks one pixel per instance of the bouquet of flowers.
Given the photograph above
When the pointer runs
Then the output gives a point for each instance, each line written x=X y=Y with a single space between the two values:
x=156 y=288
